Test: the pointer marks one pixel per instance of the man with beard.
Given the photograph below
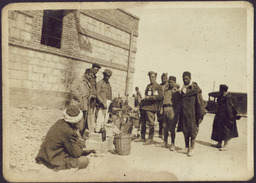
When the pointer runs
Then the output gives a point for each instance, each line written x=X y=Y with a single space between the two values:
x=148 y=108
x=192 y=112
x=164 y=79
x=224 y=125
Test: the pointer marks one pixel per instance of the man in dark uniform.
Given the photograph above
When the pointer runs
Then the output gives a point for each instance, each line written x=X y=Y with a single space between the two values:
x=224 y=125
x=148 y=108
x=191 y=112
x=91 y=117
x=164 y=79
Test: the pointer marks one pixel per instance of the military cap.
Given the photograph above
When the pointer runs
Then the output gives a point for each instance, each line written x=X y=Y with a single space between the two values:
x=186 y=73
x=164 y=74
x=108 y=72
x=172 y=78
x=151 y=73
x=223 y=87
x=89 y=70
x=96 y=65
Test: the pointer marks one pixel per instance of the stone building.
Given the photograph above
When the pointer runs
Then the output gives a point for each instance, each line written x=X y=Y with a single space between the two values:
x=49 y=48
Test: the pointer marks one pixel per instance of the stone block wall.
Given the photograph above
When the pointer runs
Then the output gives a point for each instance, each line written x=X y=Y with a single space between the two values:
x=41 y=75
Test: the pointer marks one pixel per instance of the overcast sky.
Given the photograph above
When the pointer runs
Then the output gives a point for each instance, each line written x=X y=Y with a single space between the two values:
x=208 y=42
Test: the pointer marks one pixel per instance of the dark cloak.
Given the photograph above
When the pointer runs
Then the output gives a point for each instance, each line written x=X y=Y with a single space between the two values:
x=191 y=110
x=224 y=124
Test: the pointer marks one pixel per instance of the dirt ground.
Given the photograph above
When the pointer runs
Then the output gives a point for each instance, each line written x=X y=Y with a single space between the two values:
x=28 y=126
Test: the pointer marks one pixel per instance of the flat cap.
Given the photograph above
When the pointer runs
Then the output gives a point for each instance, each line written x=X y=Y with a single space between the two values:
x=96 y=65
x=172 y=78
x=108 y=72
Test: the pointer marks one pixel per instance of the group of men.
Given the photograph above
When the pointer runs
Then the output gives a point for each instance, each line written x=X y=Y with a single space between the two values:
x=185 y=109
x=93 y=98
x=64 y=144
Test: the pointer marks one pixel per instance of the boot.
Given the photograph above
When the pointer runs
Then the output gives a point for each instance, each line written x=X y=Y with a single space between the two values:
x=148 y=142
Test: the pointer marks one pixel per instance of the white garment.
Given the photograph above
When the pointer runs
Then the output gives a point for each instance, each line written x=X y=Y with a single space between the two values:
x=184 y=87
x=102 y=117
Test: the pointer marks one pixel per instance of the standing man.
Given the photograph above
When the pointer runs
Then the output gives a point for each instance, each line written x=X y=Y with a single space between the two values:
x=138 y=97
x=164 y=79
x=104 y=96
x=192 y=112
x=148 y=108
x=81 y=93
x=224 y=125
x=91 y=114
x=170 y=111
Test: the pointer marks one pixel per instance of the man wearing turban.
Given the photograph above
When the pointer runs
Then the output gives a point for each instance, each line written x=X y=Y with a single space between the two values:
x=63 y=145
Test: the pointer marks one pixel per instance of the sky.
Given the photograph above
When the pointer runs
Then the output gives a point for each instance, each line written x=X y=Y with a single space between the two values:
x=208 y=42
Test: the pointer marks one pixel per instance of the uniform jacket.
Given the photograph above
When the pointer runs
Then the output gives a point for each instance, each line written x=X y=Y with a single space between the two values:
x=94 y=86
x=155 y=93
x=61 y=147
x=81 y=91
x=104 y=91
x=191 y=109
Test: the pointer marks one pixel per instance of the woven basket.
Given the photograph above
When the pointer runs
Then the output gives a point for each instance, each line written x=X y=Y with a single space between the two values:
x=123 y=144
x=135 y=121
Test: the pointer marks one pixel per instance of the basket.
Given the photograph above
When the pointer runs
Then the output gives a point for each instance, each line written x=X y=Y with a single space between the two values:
x=126 y=127
x=135 y=121
x=123 y=144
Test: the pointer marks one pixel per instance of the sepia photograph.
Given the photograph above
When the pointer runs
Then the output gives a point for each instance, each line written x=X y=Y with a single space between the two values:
x=127 y=91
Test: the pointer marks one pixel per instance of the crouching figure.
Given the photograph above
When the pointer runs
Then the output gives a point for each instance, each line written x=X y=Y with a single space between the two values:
x=63 y=145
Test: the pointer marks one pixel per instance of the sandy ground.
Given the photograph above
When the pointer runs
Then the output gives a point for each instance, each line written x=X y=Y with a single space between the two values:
x=28 y=127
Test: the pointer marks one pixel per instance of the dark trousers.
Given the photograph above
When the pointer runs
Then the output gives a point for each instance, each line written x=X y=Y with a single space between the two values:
x=147 y=118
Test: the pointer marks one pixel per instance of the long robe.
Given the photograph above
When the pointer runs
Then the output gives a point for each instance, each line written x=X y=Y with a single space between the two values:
x=191 y=110
x=224 y=124
x=61 y=147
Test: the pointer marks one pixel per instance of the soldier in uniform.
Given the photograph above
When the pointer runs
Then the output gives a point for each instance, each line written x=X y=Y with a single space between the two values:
x=104 y=97
x=164 y=79
x=91 y=114
x=148 y=108
x=81 y=93
x=170 y=111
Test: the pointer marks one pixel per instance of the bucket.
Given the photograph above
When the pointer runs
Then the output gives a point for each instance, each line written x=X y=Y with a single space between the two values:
x=123 y=144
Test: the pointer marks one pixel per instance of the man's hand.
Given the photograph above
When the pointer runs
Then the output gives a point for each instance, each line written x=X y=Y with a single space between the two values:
x=93 y=151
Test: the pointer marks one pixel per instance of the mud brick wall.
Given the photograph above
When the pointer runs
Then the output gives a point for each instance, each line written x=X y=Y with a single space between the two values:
x=41 y=75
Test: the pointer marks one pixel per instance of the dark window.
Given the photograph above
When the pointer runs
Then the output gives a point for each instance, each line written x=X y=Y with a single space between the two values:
x=52 y=28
